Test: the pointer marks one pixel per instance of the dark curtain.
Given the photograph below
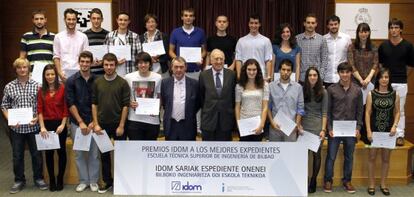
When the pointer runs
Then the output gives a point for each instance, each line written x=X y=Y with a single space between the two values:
x=272 y=13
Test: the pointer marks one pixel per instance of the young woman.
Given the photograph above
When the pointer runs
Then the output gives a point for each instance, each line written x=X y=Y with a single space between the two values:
x=252 y=96
x=285 y=47
x=315 y=118
x=53 y=113
x=382 y=114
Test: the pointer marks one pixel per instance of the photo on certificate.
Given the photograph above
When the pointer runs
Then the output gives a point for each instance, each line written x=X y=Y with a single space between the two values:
x=144 y=89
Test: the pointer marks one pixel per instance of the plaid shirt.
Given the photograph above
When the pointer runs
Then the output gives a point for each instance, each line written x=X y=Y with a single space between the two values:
x=314 y=52
x=18 y=96
x=132 y=39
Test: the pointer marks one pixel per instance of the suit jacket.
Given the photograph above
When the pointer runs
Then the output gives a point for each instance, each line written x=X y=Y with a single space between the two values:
x=192 y=105
x=217 y=110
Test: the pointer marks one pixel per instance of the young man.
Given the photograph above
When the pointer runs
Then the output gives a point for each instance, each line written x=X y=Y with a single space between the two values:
x=124 y=36
x=255 y=45
x=78 y=92
x=223 y=41
x=96 y=36
x=67 y=46
x=22 y=93
x=314 y=49
x=37 y=45
x=110 y=101
x=338 y=44
x=345 y=103
x=285 y=96
x=188 y=36
x=396 y=54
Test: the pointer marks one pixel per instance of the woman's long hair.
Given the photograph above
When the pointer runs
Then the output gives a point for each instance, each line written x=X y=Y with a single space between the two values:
x=381 y=73
x=361 y=28
x=258 y=81
x=45 y=84
x=317 y=89
x=278 y=37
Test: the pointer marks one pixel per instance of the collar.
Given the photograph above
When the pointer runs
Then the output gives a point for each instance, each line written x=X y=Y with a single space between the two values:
x=182 y=80
x=220 y=71
x=36 y=33
x=79 y=76
x=116 y=33
x=309 y=37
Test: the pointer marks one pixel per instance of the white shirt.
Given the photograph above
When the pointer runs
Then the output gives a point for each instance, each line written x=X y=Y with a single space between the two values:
x=337 y=53
x=220 y=76
x=178 y=110
x=188 y=31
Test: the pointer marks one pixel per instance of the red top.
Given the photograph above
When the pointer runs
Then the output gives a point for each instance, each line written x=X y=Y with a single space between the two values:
x=52 y=107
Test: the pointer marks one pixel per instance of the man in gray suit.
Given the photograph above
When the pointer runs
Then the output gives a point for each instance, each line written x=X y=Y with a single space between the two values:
x=217 y=100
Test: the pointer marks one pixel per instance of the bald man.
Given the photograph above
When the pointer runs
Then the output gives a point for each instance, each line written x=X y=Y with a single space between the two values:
x=217 y=100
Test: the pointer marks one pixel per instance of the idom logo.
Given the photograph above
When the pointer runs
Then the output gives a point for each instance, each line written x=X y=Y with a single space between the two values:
x=178 y=187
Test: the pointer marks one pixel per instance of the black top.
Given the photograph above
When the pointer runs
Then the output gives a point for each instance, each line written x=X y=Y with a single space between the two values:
x=96 y=38
x=382 y=116
x=226 y=43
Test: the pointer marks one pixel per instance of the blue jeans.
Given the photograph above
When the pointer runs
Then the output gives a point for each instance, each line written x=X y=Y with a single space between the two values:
x=348 y=148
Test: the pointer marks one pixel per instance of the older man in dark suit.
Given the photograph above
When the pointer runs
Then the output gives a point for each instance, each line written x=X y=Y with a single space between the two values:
x=217 y=100
x=180 y=99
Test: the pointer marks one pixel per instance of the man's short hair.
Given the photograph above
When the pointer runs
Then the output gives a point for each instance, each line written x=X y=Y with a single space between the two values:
x=123 y=13
x=286 y=62
x=333 y=18
x=144 y=57
x=110 y=57
x=150 y=16
x=85 y=54
x=255 y=16
x=395 y=21
x=344 y=66
x=191 y=10
x=227 y=18
x=312 y=15
x=70 y=11
x=180 y=60
x=96 y=11
x=21 y=61
x=39 y=11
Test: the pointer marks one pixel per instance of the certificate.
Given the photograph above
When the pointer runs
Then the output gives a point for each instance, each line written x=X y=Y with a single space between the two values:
x=191 y=54
x=365 y=91
x=121 y=51
x=310 y=141
x=344 y=128
x=103 y=142
x=98 y=51
x=383 y=140
x=147 y=106
x=70 y=72
x=20 y=116
x=276 y=76
x=49 y=143
x=37 y=72
x=154 y=48
x=247 y=126
x=82 y=142
x=286 y=124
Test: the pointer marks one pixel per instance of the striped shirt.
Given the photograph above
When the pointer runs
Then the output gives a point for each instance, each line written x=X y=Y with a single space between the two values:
x=39 y=49
x=314 y=53
x=96 y=38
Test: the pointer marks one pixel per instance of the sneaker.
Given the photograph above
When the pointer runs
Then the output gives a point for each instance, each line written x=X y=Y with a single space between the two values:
x=104 y=189
x=81 y=187
x=94 y=187
x=40 y=183
x=349 y=188
x=17 y=187
x=327 y=187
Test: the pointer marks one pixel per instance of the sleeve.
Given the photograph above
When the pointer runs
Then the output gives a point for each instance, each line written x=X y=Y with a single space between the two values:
x=23 y=44
x=239 y=49
x=266 y=91
x=69 y=92
x=65 y=106
x=138 y=45
x=329 y=110
x=40 y=105
x=324 y=58
x=163 y=98
x=85 y=44
x=350 y=57
x=325 y=103
x=95 y=93
x=380 y=54
x=375 y=61
x=107 y=40
x=126 y=94
x=6 y=103
x=270 y=96
x=238 y=91
x=173 y=39
x=360 y=111
x=202 y=89
x=301 y=104
x=203 y=37
x=268 y=50
x=410 y=56
x=56 y=47
x=208 y=45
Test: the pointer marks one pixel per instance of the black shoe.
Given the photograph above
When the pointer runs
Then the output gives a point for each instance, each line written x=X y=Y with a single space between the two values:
x=385 y=191
x=104 y=189
x=371 y=191
x=312 y=186
x=52 y=185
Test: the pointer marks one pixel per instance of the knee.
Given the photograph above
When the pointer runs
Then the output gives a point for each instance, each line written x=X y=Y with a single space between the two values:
x=385 y=159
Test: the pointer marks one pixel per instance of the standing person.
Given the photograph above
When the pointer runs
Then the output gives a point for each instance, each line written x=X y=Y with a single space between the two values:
x=53 y=114
x=96 y=36
x=396 y=54
x=188 y=36
x=345 y=103
x=67 y=46
x=110 y=101
x=256 y=46
x=217 y=100
x=286 y=96
x=124 y=36
x=160 y=62
x=382 y=115
x=252 y=97
x=180 y=99
x=223 y=41
x=144 y=83
x=315 y=118
x=338 y=44
x=314 y=48
x=37 y=45
x=285 y=47
x=78 y=94
x=22 y=93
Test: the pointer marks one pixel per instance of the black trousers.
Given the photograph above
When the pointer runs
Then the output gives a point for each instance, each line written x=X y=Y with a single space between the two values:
x=52 y=125
x=142 y=131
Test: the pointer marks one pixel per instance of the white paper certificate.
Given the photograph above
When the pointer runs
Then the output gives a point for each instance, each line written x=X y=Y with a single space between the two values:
x=38 y=72
x=383 y=140
x=276 y=76
x=286 y=125
x=365 y=91
x=344 y=128
x=154 y=48
x=82 y=142
x=191 y=54
x=103 y=142
x=98 y=51
x=20 y=116
x=248 y=125
x=49 y=143
x=121 y=51
x=310 y=141
x=147 y=106
x=70 y=72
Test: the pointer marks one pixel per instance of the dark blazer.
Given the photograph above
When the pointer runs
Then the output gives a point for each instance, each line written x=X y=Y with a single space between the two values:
x=192 y=105
x=212 y=104
x=163 y=58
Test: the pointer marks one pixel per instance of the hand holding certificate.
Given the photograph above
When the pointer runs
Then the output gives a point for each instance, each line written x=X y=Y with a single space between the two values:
x=248 y=126
x=19 y=116
x=154 y=48
x=47 y=143
x=344 y=128
x=121 y=51
x=148 y=106
x=286 y=125
x=383 y=140
x=82 y=142
x=191 y=54
x=103 y=141
x=310 y=140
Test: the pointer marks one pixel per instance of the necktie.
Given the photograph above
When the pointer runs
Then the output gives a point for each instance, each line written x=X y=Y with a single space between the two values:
x=218 y=84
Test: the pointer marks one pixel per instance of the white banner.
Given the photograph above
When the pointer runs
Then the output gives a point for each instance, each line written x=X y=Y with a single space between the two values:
x=210 y=168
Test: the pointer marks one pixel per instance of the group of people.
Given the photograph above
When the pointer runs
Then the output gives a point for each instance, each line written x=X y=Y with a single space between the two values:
x=311 y=79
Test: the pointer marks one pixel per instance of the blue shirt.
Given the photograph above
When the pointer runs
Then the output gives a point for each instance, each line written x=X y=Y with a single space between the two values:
x=289 y=101
x=280 y=55
x=179 y=38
